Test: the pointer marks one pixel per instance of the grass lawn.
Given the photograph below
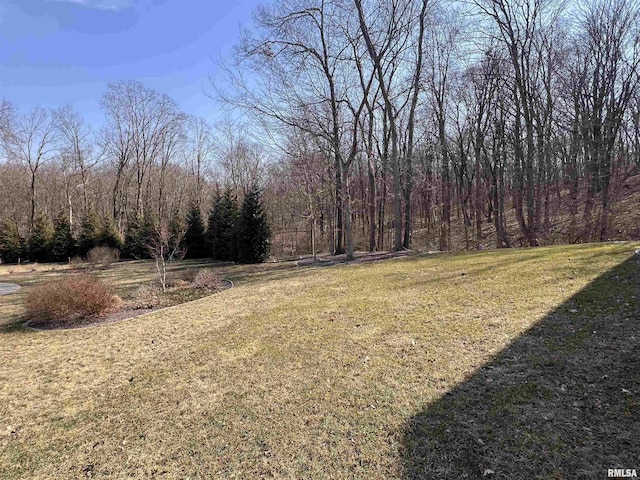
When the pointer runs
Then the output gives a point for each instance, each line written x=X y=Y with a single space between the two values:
x=503 y=364
x=126 y=277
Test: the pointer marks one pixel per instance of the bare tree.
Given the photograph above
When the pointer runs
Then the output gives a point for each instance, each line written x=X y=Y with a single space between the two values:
x=299 y=55
x=31 y=139
x=143 y=120
x=76 y=148
x=165 y=247
x=201 y=149
x=608 y=54
x=239 y=158
x=393 y=32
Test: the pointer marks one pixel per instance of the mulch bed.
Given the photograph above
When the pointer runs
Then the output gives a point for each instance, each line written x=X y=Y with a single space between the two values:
x=360 y=257
x=124 y=312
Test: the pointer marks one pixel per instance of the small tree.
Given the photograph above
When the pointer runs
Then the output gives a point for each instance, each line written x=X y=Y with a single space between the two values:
x=223 y=220
x=253 y=229
x=194 y=238
x=164 y=248
x=63 y=244
x=40 y=240
x=89 y=232
x=11 y=244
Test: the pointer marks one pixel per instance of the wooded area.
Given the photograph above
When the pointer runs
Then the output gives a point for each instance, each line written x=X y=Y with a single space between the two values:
x=363 y=122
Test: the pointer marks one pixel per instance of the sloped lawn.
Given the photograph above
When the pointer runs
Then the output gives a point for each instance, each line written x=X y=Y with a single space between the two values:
x=444 y=366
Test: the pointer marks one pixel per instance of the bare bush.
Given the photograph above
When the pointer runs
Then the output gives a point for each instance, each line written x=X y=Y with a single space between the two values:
x=76 y=263
x=206 y=279
x=145 y=297
x=75 y=297
x=182 y=278
x=103 y=256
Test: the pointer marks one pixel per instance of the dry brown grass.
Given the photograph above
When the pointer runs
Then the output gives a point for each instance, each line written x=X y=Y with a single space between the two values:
x=309 y=373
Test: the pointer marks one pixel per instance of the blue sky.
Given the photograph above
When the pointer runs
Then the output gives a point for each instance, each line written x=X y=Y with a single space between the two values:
x=54 y=52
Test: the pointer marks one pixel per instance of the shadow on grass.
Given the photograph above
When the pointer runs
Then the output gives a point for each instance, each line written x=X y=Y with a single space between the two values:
x=561 y=402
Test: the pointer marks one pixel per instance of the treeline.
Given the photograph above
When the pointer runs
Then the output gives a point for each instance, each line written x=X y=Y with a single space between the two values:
x=233 y=233
x=368 y=124
x=517 y=119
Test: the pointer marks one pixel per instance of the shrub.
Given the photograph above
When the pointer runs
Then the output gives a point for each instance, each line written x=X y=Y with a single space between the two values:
x=182 y=278
x=75 y=297
x=104 y=256
x=146 y=296
x=206 y=279
x=77 y=263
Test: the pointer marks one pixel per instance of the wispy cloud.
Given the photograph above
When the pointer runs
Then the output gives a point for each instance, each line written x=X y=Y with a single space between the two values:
x=99 y=4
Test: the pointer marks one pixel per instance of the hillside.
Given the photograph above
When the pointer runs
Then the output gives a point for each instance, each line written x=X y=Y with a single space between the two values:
x=518 y=363
x=624 y=221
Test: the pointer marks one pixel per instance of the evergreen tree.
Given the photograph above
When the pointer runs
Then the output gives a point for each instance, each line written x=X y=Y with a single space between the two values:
x=130 y=245
x=194 y=237
x=11 y=244
x=109 y=236
x=177 y=230
x=253 y=229
x=63 y=244
x=40 y=240
x=213 y=227
x=136 y=239
x=221 y=235
x=89 y=232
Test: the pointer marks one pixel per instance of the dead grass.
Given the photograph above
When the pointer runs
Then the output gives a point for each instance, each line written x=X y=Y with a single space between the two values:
x=124 y=277
x=303 y=373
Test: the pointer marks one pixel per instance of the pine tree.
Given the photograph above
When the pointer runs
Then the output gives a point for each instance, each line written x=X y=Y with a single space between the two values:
x=129 y=247
x=40 y=240
x=213 y=228
x=63 y=244
x=11 y=244
x=194 y=237
x=253 y=229
x=177 y=230
x=221 y=235
x=109 y=236
x=136 y=239
x=89 y=232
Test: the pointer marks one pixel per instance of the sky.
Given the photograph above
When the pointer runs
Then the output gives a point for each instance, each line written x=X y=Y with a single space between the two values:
x=56 y=52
